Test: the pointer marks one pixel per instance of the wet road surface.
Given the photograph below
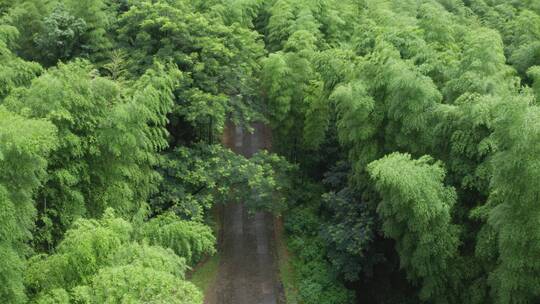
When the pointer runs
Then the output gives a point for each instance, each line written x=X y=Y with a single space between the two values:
x=248 y=269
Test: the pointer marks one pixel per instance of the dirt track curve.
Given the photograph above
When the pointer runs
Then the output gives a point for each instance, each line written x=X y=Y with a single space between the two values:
x=248 y=269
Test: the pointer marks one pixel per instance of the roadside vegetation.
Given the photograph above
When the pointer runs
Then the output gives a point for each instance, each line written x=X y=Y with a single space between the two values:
x=204 y=274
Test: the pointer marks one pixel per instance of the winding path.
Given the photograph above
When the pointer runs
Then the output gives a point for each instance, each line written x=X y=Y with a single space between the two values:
x=248 y=268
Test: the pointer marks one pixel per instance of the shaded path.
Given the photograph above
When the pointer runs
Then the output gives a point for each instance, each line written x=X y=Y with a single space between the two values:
x=248 y=270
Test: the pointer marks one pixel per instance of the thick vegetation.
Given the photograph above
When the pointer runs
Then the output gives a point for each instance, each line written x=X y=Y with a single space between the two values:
x=413 y=127
x=109 y=111
x=420 y=118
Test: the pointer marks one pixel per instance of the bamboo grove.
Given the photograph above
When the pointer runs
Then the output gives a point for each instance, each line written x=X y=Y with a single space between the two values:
x=406 y=136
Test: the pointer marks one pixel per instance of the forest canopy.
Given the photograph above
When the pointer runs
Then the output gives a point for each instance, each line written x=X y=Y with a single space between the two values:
x=405 y=134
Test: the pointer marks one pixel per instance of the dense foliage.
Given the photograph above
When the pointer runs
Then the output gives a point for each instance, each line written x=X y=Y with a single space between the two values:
x=412 y=126
x=109 y=111
x=420 y=120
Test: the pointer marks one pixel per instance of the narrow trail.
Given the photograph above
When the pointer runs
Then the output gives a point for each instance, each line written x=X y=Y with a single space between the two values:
x=248 y=269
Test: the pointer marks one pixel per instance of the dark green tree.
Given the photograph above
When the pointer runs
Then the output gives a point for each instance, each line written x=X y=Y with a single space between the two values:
x=61 y=37
x=219 y=62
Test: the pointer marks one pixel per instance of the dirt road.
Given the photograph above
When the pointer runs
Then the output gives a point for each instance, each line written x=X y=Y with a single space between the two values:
x=248 y=270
